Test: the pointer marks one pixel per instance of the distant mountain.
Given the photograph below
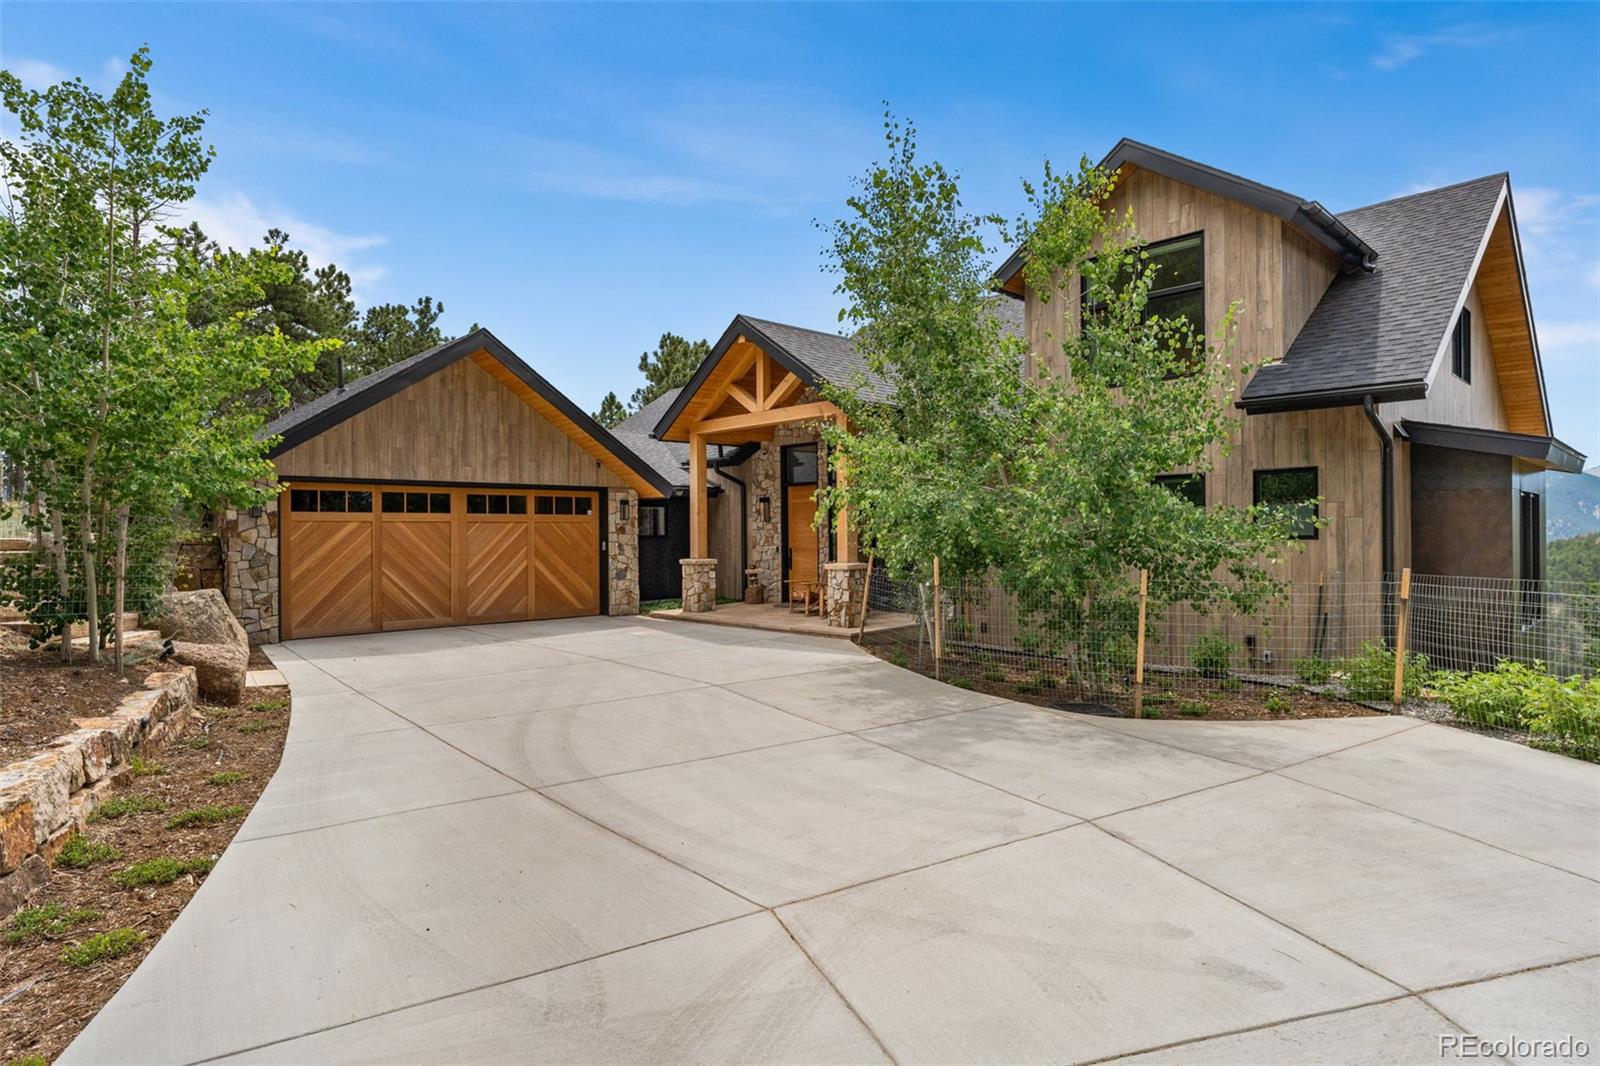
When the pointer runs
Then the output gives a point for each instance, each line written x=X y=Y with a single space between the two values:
x=1571 y=505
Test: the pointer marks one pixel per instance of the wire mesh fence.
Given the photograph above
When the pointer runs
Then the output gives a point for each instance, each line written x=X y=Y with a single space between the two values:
x=1312 y=651
x=44 y=595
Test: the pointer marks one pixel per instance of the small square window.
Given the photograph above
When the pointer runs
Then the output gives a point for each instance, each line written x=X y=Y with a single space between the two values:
x=302 y=499
x=1294 y=491
x=477 y=503
x=359 y=501
x=1191 y=487
x=544 y=505
x=438 y=503
x=563 y=505
x=497 y=503
x=583 y=504
x=652 y=520
x=394 y=503
x=416 y=503
x=518 y=504
x=330 y=500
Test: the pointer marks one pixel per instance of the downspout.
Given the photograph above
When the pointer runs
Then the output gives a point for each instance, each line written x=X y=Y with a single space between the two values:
x=1386 y=442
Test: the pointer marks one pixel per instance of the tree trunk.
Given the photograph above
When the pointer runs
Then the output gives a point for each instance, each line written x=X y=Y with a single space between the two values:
x=58 y=551
x=122 y=579
x=91 y=587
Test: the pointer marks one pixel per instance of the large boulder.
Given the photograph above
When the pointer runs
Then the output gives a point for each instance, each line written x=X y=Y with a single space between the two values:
x=219 y=668
x=200 y=617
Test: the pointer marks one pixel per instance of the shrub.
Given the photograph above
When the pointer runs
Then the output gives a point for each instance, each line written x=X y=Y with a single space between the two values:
x=1369 y=675
x=1193 y=708
x=1495 y=698
x=1313 y=670
x=1212 y=654
x=122 y=806
x=960 y=682
x=82 y=851
x=1278 y=703
x=1564 y=716
x=47 y=920
x=107 y=945
x=161 y=871
x=210 y=814
x=145 y=768
x=993 y=674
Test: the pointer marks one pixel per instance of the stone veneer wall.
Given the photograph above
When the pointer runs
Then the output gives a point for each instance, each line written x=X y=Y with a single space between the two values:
x=47 y=798
x=250 y=570
x=622 y=536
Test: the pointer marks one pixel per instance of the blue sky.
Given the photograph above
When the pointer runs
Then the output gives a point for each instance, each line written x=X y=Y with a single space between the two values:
x=580 y=178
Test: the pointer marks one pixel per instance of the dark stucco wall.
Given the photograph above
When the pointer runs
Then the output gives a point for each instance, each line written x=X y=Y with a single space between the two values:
x=1462 y=513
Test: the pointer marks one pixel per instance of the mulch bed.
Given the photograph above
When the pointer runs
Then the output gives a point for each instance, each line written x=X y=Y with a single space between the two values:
x=1166 y=695
x=44 y=1002
x=40 y=695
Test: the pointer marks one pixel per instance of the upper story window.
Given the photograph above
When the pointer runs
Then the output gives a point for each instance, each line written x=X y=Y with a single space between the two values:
x=1461 y=347
x=1191 y=487
x=1294 y=491
x=1177 y=284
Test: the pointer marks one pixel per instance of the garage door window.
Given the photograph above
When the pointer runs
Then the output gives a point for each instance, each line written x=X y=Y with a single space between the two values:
x=563 y=504
x=416 y=503
x=330 y=501
x=496 y=503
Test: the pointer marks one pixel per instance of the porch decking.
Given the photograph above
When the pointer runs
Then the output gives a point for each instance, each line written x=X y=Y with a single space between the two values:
x=778 y=618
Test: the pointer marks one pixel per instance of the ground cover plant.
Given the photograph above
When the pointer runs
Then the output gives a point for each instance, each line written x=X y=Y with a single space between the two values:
x=1559 y=714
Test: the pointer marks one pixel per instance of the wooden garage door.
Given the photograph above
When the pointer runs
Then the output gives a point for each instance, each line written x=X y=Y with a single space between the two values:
x=365 y=558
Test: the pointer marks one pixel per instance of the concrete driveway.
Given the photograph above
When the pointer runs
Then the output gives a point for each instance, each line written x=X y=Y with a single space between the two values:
x=638 y=840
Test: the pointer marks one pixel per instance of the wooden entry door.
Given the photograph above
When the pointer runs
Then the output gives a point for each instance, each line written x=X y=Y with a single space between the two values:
x=566 y=554
x=799 y=515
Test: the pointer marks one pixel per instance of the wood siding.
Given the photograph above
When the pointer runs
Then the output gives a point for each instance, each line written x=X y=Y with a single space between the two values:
x=1454 y=402
x=1276 y=276
x=459 y=425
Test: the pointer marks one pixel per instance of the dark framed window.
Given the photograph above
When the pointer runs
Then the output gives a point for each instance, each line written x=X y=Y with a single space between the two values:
x=1293 y=490
x=583 y=505
x=1191 y=487
x=652 y=520
x=800 y=464
x=1177 y=285
x=1461 y=347
x=302 y=499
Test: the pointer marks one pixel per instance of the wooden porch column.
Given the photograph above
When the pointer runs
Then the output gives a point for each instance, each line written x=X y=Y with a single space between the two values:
x=699 y=537
x=842 y=532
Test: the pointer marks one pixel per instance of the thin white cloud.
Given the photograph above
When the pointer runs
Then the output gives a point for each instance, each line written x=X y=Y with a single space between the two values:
x=234 y=220
x=36 y=74
x=1543 y=212
x=1578 y=342
x=1400 y=49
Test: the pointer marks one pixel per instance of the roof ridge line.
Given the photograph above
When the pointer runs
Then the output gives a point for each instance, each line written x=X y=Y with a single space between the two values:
x=1502 y=174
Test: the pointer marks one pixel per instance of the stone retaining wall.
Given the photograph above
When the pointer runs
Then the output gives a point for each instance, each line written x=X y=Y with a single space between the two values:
x=47 y=798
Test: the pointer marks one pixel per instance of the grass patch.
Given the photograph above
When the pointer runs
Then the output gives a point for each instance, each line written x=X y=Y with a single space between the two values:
x=102 y=946
x=219 y=714
x=210 y=814
x=260 y=725
x=227 y=777
x=27 y=1060
x=161 y=871
x=269 y=705
x=81 y=852
x=200 y=743
x=122 y=806
x=960 y=682
x=49 y=920
x=145 y=768
x=1193 y=708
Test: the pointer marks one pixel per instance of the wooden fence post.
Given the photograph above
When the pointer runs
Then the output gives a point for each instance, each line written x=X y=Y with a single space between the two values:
x=1138 y=653
x=866 y=598
x=938 y=620
x=1400 y=638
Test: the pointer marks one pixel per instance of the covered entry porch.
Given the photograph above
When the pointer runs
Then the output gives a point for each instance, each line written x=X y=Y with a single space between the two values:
x=754 y=392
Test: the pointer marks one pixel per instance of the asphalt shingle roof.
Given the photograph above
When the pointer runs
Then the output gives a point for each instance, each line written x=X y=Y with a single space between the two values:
x=1380 y=330
x=665 y=457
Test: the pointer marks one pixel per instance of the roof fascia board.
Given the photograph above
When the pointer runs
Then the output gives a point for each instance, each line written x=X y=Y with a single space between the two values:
x=1550 y=451
x=1306 y=401
x=1466 y=289
x=1527 y=303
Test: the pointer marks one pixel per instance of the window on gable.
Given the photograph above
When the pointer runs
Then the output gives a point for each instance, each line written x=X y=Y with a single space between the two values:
x=1461 y=347
x=1191 y=487
x=1294 y=491
x=1177 y=285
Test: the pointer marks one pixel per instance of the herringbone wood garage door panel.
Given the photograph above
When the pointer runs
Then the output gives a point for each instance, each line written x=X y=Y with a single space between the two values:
x=399 y=569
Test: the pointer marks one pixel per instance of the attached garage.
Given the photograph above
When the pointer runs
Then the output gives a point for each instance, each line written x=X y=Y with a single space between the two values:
x=458 y=487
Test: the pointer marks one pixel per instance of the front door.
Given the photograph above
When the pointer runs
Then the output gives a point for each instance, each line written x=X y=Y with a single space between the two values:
x=800 y=514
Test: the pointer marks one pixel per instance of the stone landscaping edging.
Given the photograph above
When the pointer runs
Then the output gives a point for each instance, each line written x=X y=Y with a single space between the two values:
x=48 y=797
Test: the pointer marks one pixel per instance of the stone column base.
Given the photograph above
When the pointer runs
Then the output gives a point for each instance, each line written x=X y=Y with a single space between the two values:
x=844 y=596
x=699 y=585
